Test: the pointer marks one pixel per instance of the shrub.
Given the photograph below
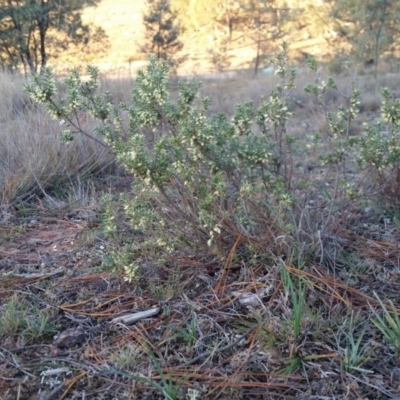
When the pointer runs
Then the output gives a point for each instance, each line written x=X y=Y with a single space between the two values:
x=205 y=179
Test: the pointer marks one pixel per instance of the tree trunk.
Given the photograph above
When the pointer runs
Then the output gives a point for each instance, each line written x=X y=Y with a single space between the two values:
x=43 y=24
x=257 y=60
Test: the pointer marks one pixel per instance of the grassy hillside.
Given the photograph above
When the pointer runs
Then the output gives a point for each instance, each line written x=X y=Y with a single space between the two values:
x=122 y=22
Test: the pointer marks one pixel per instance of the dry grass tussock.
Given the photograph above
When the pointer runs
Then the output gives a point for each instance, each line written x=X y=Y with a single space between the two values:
x=33 y=160
x=307 y=311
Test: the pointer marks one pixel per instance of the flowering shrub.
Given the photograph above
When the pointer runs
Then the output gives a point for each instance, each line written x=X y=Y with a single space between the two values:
x=203 y=179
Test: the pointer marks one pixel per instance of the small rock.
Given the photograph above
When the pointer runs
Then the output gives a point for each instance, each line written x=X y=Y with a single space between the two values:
x=70 y=337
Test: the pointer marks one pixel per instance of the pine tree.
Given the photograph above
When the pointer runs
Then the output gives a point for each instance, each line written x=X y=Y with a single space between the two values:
x=162 y=31
x=264 y=23
x=369 y=26
x=25 y=27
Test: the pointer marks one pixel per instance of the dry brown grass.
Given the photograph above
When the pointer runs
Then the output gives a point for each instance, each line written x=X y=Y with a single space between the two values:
x=34 y=160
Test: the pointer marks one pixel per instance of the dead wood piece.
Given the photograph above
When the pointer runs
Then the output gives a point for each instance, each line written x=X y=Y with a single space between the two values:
x=58 y=271
x=132 y=318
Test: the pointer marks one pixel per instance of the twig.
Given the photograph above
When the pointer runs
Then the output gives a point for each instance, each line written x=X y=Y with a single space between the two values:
x=132 y=318
x=14 y=363
x=54 y=394
x=389 y=393
x=37 y=275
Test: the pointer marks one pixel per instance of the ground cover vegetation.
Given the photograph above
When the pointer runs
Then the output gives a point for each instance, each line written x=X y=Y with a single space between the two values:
x=166 y=237
x=254 y=221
